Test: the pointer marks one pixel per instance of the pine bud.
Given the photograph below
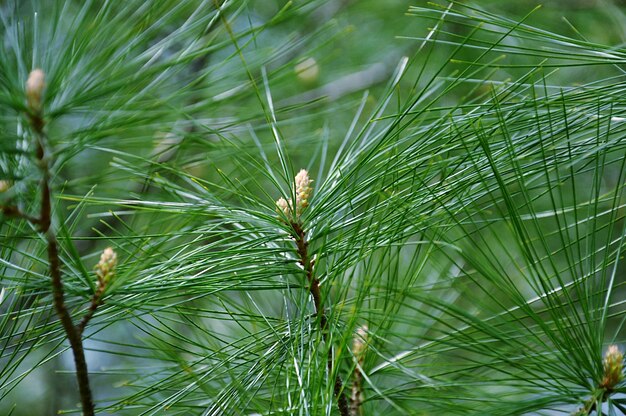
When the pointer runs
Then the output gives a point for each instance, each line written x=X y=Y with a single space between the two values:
x=307 y=70
x=4 y=185
x=303 y=193
x=613 y=367
x=105 y=269
x=303 y=190
x=34 y=89
x=283 y=206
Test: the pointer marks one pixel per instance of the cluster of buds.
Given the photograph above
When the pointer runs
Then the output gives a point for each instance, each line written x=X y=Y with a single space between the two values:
x=613 y=368
x=35 y=85
x=303 y=193
x=105 y=269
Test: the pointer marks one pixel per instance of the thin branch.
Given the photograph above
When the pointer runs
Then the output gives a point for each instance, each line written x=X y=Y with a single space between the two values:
x=314 y=287
x=15 y=212
x=73 y=335
x=72 y=332
x=96 y=300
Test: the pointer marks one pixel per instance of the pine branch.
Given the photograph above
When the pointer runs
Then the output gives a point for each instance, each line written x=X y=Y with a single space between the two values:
x=96 y=301
x=34 y=88
x=72 y=332
x=314 y=287
x=15 y=212
x=613 y=373
x=303 y=191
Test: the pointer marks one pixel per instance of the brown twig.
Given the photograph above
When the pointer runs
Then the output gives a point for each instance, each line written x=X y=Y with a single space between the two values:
x=73 y=335
x=44 y=222
x=13 y=211
x=314 y=288
x=96 y=300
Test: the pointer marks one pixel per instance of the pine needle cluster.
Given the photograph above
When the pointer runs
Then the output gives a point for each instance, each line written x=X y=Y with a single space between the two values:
x=452 y=246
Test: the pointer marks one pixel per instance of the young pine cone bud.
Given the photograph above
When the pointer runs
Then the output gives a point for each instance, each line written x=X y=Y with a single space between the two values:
x=303 y=190
x=303 y=193
x=283 y=206
x=35 y=85
x=105 y=269
x=613 y=368
x=307 y=71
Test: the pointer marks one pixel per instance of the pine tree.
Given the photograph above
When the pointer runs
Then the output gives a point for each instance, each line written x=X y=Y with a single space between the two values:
x=196 y=219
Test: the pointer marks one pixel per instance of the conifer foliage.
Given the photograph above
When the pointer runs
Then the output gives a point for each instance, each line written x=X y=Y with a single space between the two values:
x=199 y=217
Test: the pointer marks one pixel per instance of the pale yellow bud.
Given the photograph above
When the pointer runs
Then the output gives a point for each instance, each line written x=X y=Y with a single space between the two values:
x=303 y=193
x=613 y=367
x=4 y=186
x=283 y=206
x=105 y=269
x=307 y=70
x=303 y=182
x=303 y=190
x=35 y=85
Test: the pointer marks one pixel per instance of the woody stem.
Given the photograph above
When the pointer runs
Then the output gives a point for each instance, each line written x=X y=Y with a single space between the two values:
x=314 y=288
x=44 y=222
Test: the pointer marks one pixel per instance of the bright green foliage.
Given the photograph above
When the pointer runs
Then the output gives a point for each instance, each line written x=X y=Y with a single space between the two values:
x=467 y=206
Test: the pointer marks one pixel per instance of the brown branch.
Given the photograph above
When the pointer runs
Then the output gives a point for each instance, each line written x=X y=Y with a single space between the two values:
x=73 y=335
x=15 y=212
x=600 y=395
x=96 y=300
x=72 y=332
x=46 y=210
x=314 y=287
